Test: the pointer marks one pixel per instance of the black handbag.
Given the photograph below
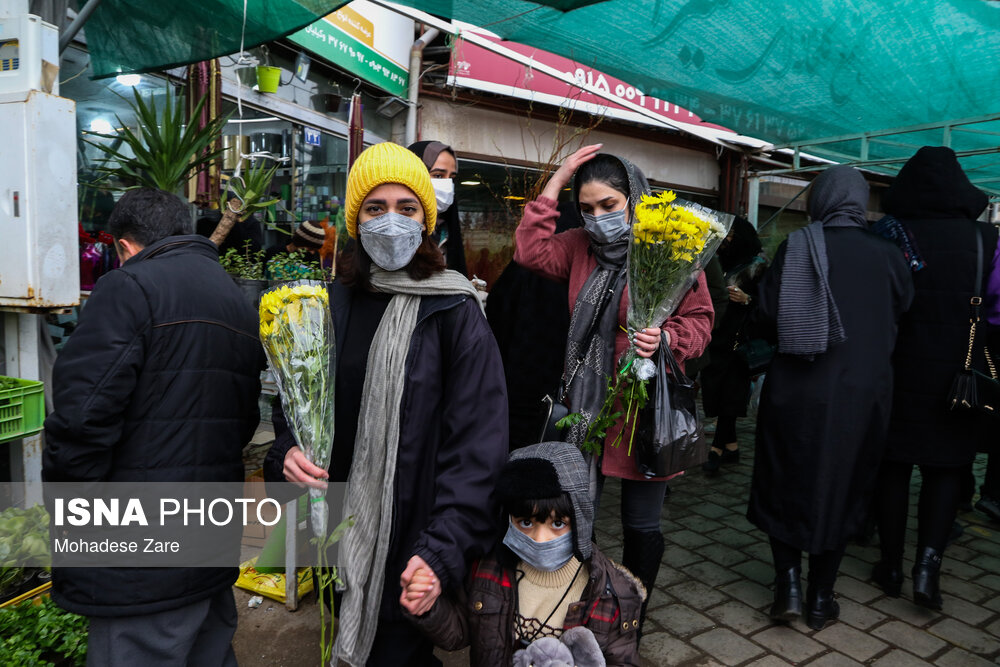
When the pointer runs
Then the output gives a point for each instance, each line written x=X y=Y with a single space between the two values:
x=757 y=353
x=669 y=434
x=971 y=389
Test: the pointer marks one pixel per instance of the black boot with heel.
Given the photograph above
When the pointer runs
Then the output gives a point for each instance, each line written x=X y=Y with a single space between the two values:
x=821 y=607
x=926 y=578
x=889 y=577
x=642 y=552
x=787 y=595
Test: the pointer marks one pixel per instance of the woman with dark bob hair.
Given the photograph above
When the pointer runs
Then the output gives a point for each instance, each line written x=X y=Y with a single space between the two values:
x=593 y=261
x=421 y=412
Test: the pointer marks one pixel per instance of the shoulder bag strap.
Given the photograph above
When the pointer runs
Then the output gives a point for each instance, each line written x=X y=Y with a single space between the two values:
x=605 y=300
x=975 y=303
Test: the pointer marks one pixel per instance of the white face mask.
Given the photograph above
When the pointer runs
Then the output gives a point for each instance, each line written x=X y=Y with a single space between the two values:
x=391 y=239
x=607 y=227
x=444 y=192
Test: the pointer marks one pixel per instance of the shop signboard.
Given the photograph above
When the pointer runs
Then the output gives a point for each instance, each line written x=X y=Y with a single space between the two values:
x=473 y=66
x=367 y=40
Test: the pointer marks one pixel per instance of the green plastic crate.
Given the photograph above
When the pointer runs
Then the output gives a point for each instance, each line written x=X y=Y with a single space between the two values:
x=22 y=407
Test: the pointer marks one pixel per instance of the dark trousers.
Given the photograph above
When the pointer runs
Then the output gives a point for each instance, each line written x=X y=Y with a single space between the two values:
x=991 y=482
x=940 y=489
x=823 y=567
x=196 y=635
x=400 y=643
x=725 y=432
x=642 y=503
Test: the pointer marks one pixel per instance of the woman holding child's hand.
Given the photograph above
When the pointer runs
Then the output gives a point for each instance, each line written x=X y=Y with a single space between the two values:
x=421 y=414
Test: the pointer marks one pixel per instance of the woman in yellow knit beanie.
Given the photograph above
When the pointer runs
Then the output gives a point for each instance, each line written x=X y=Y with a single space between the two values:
x=421 y=413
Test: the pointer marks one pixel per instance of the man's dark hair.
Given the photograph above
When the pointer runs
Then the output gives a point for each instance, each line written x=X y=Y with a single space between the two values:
x=146 y=215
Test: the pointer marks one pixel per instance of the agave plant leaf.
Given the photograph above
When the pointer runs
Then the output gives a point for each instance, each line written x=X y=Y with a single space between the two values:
x=166 y=146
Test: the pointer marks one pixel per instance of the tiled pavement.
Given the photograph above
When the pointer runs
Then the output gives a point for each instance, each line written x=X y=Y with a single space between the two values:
x=712 y=594
x=710 y=603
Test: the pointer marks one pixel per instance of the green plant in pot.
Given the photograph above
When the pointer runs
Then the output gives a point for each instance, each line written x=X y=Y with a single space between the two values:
x=247 y=269
x=248 y=191
x=166 y=147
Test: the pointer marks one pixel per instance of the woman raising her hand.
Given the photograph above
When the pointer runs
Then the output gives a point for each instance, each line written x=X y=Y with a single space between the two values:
x=592 y=261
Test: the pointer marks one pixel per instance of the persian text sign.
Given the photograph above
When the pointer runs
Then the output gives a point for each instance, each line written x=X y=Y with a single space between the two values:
x=473 y=66
x=364 y=39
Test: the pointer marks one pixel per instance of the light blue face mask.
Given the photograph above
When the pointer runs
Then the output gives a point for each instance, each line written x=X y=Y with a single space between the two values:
x=607 y=227
x=546 y=556
x=391 y=239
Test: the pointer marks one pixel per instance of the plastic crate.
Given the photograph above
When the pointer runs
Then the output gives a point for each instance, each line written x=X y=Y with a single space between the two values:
x=22 y=408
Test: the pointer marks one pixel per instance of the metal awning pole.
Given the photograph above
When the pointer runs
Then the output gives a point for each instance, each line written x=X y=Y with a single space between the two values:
x=753 y=198
x=74 y=27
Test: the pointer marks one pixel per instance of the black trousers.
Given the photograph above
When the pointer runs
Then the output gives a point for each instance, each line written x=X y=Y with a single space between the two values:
x=400 y=643
x=940 y=491
x=823 y=567
x=199 y=634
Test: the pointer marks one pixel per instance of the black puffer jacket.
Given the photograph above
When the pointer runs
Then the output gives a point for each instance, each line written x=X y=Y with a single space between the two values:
x=934 y=199
x=159 y=383
x=452 y=441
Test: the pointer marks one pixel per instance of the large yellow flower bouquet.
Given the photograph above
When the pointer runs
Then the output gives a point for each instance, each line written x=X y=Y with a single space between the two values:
x=671 y=243
x=297 y=332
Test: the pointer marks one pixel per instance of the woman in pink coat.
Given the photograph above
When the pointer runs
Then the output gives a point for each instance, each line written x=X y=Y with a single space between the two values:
x=592 y=260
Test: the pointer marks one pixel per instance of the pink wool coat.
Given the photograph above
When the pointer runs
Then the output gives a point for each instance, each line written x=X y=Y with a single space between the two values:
x=564 y=258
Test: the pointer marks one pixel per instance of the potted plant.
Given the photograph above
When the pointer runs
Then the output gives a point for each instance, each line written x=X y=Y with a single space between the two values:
x=247 y=270
x=247 y=196
x=165 y=148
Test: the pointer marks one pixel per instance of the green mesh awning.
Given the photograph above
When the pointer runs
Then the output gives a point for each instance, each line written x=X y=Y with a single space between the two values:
x=787 y=71
x=129 y=36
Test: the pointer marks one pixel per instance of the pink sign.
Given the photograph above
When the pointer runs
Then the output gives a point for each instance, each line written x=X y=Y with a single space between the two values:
x=473 y=66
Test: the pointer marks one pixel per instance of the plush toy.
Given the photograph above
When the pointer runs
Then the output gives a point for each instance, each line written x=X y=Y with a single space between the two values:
x=576 y=648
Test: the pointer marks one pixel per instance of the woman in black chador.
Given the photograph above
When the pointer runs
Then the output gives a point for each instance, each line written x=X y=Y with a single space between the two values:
x=725 y=382
x=831 y=300
x=935 y=202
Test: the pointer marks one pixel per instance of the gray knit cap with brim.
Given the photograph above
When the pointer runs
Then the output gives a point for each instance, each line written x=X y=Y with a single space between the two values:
x=522 y=480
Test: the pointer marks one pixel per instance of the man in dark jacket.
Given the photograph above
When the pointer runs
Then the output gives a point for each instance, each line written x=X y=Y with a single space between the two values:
x=159 y=383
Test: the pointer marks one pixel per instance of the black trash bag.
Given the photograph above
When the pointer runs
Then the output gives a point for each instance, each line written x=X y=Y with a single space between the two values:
x=670 y=436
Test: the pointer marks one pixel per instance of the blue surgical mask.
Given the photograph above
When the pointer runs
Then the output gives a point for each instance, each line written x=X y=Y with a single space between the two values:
x=391 y=239
x=607 y=227
x=546 y=556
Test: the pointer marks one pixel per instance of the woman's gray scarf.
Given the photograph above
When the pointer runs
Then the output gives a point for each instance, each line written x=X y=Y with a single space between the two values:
x=371 y=480
x=808 y=318
x=590 y=360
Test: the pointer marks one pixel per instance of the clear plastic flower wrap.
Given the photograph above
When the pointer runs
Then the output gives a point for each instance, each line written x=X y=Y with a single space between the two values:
x=672 y=242
x=296 y=330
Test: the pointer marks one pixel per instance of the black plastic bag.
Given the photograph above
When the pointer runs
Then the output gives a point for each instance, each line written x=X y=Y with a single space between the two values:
x=670 y=437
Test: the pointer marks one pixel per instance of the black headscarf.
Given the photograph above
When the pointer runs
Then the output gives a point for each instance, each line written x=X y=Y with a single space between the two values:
x=932 y=185
x=808 y=319
x=428 y=152
x=741 y=248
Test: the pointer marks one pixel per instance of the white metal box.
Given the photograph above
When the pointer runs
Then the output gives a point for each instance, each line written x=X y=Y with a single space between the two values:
x=29 y=54
x=39 y=239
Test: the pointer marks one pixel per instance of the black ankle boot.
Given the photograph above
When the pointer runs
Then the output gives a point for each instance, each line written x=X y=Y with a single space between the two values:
x=889 y=577
x=787 y=595
x=926 y=578
x=642 y=552
x=821 y=607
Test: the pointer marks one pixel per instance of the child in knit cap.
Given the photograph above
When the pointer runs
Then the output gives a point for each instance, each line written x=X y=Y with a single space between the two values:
x=547 y=579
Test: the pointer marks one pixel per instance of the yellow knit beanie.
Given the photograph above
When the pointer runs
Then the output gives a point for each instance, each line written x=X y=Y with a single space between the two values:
x=388 y=163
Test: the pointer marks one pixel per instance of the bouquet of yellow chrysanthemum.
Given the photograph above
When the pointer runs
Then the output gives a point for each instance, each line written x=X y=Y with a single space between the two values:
x=297 y=332
x=671 y=242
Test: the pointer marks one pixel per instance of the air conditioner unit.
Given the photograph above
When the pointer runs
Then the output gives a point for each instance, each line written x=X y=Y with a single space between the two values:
x=29 y=54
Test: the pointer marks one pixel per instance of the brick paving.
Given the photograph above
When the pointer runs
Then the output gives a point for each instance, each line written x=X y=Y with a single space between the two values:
x=710 y=602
